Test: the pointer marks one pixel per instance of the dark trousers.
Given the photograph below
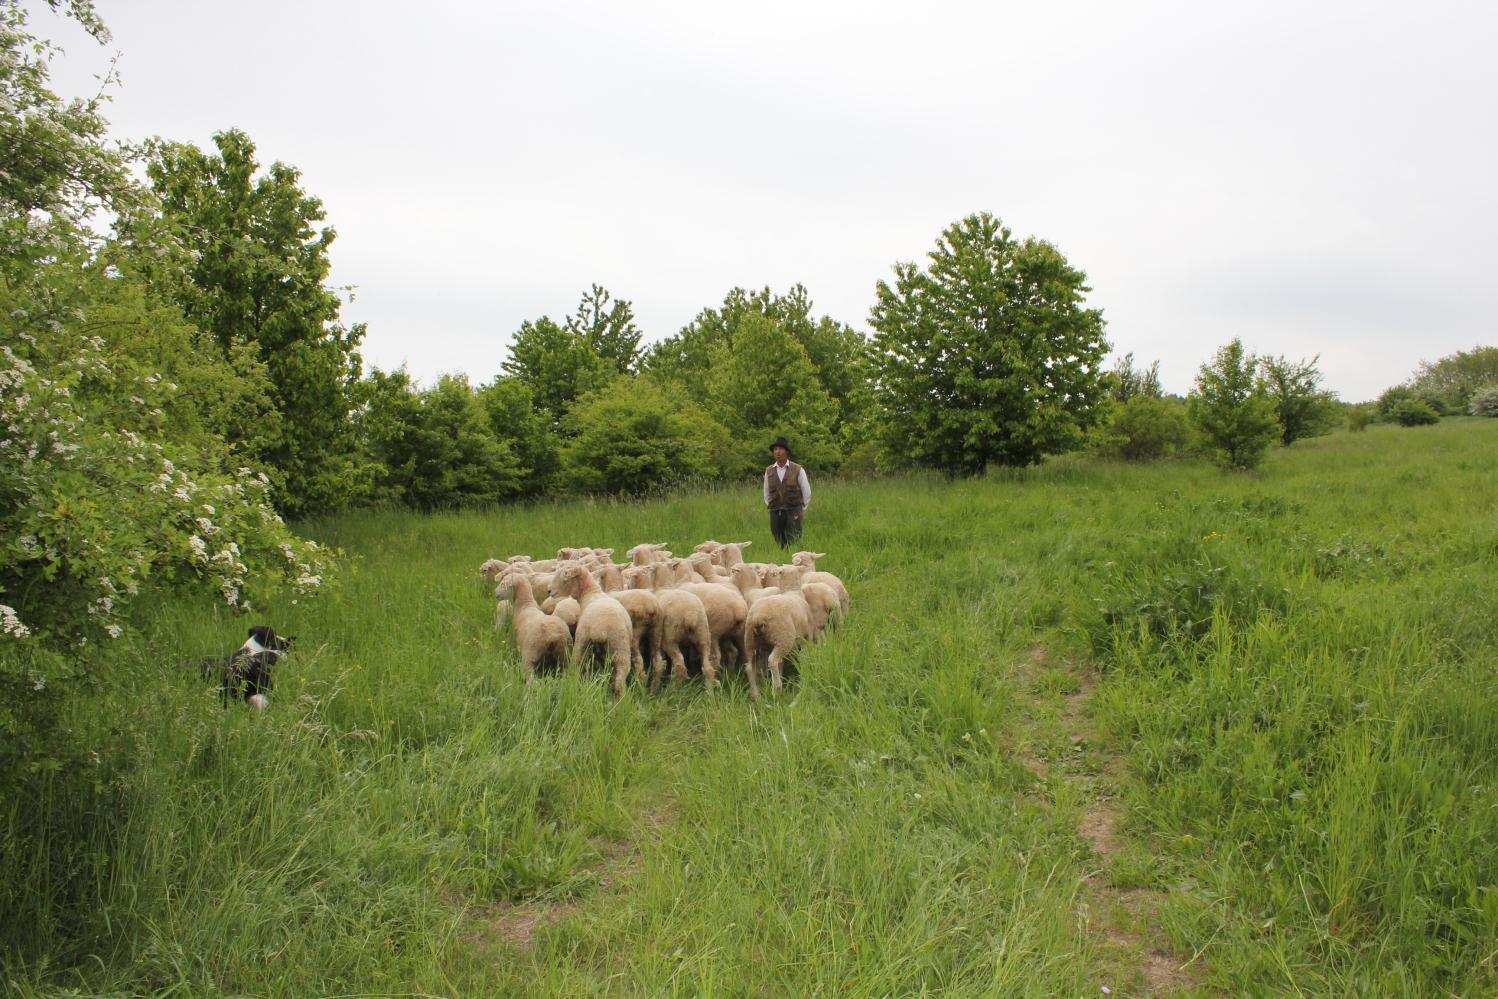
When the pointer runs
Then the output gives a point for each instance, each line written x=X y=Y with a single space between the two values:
x=785 y=525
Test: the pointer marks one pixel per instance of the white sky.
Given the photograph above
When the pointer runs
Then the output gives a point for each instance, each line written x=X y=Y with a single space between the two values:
x=1317 y=178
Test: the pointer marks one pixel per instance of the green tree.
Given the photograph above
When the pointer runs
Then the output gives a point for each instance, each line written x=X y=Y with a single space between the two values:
x=557 y=363
x=434 y=448
x=1145 y=428
x=1126 y=381
x=1302 y=407
x=528 y=431
x=1415 y=412
x=258 y=278
x=838 y=353
x=988 y=356
x=1232 y=409
x=764 y=385
x=1454 y=378
x=632 y=437
x=608 y=326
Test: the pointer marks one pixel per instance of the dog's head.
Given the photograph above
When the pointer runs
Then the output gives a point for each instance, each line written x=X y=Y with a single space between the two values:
x=265 y=636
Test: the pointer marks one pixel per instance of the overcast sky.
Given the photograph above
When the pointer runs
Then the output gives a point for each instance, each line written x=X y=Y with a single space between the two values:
x=1316 y=178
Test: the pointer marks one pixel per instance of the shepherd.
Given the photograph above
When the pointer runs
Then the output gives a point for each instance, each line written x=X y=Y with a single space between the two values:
x=787 y=494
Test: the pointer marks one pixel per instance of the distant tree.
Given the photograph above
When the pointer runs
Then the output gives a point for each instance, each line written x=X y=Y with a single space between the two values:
x=838 y=353
x=632 y=437
x=762 y=386
x=557 y=364
x=1415 y=413
x=1484 y=401
x=1232 y=409
x=1302 y=407
x=608 y=326
x=1454 y=378
x=1359 y=416
x=258 y=278
x=433 y=448
x=988 y=356
x=1125 y=381
x=525 y=429
x=1145 y=428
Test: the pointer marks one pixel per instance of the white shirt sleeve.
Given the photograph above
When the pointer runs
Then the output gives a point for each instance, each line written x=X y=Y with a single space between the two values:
x=767 y=488
x=805 y=489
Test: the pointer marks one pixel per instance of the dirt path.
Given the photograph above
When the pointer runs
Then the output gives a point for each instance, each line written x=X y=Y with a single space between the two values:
x=1065 y=747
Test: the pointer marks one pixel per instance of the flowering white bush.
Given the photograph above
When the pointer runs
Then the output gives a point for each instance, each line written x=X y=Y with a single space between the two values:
x=99 y=499
x=1485 y=401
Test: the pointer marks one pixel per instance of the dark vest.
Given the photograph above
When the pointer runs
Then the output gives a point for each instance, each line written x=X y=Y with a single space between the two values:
x=785 y=495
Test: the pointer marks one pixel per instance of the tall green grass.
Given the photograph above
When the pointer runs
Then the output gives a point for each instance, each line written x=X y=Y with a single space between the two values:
x=1297 y=670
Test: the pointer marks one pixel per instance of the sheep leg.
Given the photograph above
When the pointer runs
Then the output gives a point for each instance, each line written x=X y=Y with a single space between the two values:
x=708 y=650
x=619 y=652
x=750 y=669
x=678 y=664
x=657 y=670
x=777 y=659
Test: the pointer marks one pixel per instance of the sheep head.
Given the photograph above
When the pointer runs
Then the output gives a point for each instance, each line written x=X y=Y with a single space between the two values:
x=788 y=577
x=492 y=569
x=807 y=559
x=567 y=581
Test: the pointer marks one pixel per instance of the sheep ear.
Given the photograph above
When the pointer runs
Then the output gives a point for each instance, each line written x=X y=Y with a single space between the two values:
x=745 y=544
x=818 y=554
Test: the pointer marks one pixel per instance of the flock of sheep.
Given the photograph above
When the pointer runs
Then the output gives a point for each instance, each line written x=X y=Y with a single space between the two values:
x=712 y=606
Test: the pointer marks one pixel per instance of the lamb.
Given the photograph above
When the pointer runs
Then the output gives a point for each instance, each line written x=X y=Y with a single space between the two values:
x=644 y=610
x=778 y=623
x=646 y=554
x=821 y=599
x=726 y=612
x=539 y=636
x=602 y=625
x=748 y=582
x=809 y=560
x=683 y=622
x=730 y=555
x=704 y=566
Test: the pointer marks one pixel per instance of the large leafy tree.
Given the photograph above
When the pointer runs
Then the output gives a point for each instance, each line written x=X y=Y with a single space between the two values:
x=839 y=354
x=1232 y=409
x=762 y=385
x=556 y=363
x=433 y=448
x=1302 y=407
x=1454 y=378
x=607 y=325
x=632 y=437
x=259 y=279
x=988 y=355
x=526 y=429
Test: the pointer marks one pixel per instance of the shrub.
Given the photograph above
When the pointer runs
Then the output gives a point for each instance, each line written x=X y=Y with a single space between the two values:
x=1455 y=378
x=1358 y=417
x=1232 y=410
x=434 y=448
x=1302 y=407
x=1145 y=428
x=1415 y=413
x=631 y=437
x=1484 y=402
x=989 y=355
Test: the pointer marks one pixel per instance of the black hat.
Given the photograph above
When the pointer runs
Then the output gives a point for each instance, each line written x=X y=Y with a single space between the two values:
x=781 y=442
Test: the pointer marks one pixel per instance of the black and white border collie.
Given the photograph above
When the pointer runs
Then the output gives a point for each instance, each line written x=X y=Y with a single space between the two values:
x=247 y=673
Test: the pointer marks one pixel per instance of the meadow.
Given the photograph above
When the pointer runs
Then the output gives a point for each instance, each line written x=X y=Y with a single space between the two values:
x=1090 y=726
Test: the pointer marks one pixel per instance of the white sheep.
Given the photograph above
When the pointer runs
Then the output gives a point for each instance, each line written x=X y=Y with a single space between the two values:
x=539 y=636
x=748 y=582
x=683 y=624
x=809 y=561
x=776 y=624
x=821 y=599
x=603 y=625
x=644 y=611
x=726 y=610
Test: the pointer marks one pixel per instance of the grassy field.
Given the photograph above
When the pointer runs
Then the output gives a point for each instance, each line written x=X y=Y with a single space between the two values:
x=1142 y=728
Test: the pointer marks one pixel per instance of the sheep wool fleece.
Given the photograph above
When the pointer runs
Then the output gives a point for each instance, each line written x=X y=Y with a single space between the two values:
x=786 y=503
